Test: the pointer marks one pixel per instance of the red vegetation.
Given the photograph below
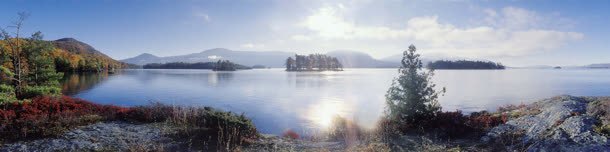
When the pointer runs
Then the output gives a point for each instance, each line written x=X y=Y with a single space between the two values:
x=450 y=124
x=48 y=116
x=484 y=120
x=510 y=107
x=147 y=114
x=290 y=134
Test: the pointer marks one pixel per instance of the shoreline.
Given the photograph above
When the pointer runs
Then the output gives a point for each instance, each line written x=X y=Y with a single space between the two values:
x=586 y=114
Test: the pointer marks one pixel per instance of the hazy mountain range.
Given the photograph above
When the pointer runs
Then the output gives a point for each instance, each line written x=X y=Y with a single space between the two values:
x=275 y=59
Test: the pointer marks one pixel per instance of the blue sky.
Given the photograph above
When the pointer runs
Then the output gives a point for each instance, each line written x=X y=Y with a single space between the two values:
x=517 y=33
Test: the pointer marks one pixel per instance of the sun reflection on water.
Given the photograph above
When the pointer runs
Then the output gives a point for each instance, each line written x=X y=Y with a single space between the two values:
x=321 y=115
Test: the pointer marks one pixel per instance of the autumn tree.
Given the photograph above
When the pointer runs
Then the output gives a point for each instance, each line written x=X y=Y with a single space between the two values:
x=13 y=51
x=30 y=68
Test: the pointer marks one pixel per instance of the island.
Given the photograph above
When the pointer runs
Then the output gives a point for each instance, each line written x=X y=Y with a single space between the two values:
x=220 y=65
x=313 y=62
x=464 y=65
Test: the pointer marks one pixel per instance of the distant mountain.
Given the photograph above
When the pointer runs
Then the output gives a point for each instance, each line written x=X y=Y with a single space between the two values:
x=599 y=65
x=74 y=55
x=142 y=59
x=74 y=46
x=249 y=58
x=354 y=59
x=274 y=59
x=535 y=67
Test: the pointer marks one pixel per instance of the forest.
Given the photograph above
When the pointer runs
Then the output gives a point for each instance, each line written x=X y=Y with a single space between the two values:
x=220 y=65
x=313 y=62
x=31 y=66
x=464 y=64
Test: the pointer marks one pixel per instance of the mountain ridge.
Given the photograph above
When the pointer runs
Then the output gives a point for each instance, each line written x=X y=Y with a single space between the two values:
x=275 y=59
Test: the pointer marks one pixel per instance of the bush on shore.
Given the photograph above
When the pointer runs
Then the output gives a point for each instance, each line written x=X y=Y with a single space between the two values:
x=50 y=116
x=47 y=116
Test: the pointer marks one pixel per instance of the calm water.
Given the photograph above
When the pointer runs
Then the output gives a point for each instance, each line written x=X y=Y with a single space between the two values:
x=306 y=101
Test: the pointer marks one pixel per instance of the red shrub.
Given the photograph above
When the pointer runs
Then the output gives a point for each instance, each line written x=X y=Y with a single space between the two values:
x=290 y=134
x=48 y=116
x=483 y=120
x=449 y=123
x=454 y=124
x=156 y=112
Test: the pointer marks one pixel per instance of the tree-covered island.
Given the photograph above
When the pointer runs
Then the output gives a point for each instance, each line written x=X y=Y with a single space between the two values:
x=220 y=65
x=464 y=64
x=313 y=62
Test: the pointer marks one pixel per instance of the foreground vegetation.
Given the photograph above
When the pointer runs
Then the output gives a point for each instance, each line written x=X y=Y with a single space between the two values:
x=51 y=116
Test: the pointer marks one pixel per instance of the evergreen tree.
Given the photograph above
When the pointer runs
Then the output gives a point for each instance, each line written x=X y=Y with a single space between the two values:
x=412 y=97
x=290 y=64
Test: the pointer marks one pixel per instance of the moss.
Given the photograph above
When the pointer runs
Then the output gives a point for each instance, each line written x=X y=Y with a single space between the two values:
x=603 y=129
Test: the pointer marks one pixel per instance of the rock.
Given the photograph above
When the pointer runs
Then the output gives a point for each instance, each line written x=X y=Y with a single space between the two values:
x=562 y=125
x=114 y=136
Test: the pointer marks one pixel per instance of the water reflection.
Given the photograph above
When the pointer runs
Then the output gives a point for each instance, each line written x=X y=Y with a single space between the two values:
x=277 y=100
x=321 y=114
x=73 y=83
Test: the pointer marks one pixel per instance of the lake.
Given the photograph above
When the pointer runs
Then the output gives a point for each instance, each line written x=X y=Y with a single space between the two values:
x=306 y=101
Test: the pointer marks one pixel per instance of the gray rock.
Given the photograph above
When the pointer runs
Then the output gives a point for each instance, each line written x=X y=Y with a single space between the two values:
x=114 y=136
x=562 y=125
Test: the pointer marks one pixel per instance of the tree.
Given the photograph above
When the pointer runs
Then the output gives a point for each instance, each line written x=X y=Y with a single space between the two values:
x=31 y=69
x=313 y=62
x=41 y=65
x=412 y=97
x=290 y=64
x=14 y=51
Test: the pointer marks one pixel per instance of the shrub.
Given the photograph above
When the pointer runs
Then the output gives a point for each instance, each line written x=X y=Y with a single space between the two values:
x=290 y=134
x=7 y=98
x=7 y=94
x=344 y=129
x=209 y=129
x=35 y=91
x=156 y=112
x=450 y=124
x=482 y=121
x=6 y=89
x=50 y=116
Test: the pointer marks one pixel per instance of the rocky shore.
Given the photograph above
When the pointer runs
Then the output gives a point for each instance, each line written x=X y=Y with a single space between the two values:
x=563 y=123
x=103 y=136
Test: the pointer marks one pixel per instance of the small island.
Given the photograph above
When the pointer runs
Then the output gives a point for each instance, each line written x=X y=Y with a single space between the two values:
x=313 y=62
x=464 y=65
x=220 y=65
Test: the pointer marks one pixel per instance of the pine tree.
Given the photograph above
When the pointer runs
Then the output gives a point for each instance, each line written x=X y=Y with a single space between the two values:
x=412 y=97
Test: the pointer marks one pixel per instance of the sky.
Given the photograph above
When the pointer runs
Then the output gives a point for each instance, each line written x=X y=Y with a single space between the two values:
x=514 y=32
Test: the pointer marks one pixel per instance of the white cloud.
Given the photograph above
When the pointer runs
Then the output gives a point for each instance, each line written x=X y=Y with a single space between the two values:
x=508 y=32
x=203 y=16
x=214 y=57
x=252 y=45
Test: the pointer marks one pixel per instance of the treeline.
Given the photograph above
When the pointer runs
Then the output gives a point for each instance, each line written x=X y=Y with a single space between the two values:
x=221 y=65
x=313 y=62
x=464 y=64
